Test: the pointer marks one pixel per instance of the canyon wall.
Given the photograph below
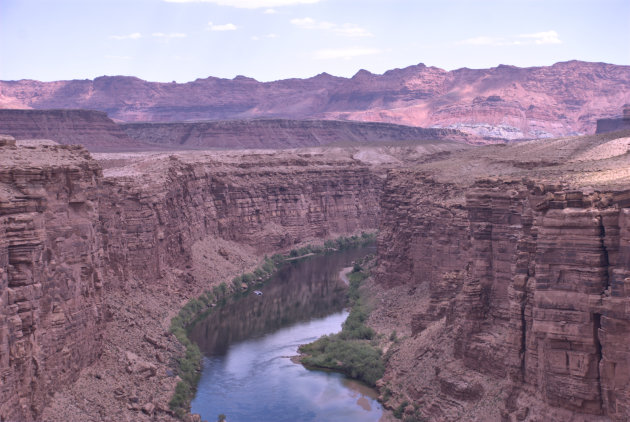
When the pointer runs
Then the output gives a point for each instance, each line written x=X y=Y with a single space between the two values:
x=90 y=264
x=501 y=102
x=51 y=267
x=525 y=298
x=153 y=220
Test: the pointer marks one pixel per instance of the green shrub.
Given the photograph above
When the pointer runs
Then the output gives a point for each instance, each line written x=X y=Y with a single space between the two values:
x=349 y=351
x=223 y=288
x=398 y=412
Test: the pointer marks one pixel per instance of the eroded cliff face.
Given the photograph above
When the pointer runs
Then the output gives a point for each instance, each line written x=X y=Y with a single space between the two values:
x=518 y=294
x=152 y=220
x=50 y=273
x=93 y=265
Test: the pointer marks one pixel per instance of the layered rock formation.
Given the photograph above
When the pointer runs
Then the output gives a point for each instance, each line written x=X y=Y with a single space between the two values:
x=92 y=129
x=90 y=265
x=51 y=265
x=282 y=133
x=96 y=132
x=520 y=284
x=505 y=102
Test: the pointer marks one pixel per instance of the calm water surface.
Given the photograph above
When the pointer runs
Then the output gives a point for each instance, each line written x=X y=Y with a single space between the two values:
x=247 y=374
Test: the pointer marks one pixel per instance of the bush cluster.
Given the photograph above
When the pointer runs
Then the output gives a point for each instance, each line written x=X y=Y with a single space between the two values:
x=349 y=351
x=344 y=242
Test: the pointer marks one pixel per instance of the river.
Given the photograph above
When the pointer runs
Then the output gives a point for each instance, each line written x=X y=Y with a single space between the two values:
x=247 y=374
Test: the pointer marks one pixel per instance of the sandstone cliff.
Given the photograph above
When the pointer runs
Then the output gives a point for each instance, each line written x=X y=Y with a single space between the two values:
x=503 y=102
x=51 y=266
x=512 y=289
x=93 y=265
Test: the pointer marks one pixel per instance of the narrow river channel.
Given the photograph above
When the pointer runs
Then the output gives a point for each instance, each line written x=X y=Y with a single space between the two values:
x=247 y=374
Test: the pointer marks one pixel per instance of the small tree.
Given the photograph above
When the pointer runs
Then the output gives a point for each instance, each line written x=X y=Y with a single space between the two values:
x=221 y=418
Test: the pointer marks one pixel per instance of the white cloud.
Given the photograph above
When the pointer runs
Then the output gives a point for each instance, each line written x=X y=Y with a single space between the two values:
x=249 y=4
x=270 y=11
x=344 y=53
x=134 y=36
x=224 y=27
x=171 y=35
x=347 y=29
x=539 y=38
x=548 y=37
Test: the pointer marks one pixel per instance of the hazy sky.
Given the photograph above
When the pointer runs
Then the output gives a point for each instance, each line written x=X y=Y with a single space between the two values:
x=182 y=40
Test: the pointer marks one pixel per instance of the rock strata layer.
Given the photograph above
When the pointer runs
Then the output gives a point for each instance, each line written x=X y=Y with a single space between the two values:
x=521 y=284
x=282 y=133
x=92 y=129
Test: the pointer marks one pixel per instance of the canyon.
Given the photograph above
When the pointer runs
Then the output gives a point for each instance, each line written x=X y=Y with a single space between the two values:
x=504 y=102
x=503 y=268
x=96 y=256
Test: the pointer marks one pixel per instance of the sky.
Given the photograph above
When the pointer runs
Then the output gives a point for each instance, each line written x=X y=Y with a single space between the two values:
x=182 y=40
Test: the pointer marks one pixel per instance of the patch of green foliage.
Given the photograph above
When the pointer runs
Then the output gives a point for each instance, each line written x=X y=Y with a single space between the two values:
x=350 y=350
x=189 y=365
x=398 y=412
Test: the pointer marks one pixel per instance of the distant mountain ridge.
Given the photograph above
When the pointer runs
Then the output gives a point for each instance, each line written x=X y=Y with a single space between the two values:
x=505 y=102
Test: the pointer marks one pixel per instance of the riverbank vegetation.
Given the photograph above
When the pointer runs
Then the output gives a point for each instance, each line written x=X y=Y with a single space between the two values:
x=351 y=351
x=189 y=364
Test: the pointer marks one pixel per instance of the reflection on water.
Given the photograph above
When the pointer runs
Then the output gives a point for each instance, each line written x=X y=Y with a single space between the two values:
x=247 y=374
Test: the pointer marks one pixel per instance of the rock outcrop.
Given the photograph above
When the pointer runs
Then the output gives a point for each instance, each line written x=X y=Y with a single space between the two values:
x=521 y=287
x=502 y=102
